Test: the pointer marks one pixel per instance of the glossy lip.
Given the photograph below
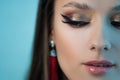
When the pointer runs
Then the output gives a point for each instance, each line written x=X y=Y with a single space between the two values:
x=99 y=66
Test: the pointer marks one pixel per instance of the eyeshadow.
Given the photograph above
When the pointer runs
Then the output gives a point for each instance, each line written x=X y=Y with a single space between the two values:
x=80 y=17
x=116 y=17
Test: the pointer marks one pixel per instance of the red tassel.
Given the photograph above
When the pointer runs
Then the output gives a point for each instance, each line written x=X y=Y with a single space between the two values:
x=53 y=68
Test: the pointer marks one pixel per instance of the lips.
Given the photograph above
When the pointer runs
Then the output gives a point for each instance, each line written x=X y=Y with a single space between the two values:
x=103 y=63
x=99 y=67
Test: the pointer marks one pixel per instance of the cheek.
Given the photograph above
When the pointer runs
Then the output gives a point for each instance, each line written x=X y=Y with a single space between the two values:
x=69 y=43
x=70 y=47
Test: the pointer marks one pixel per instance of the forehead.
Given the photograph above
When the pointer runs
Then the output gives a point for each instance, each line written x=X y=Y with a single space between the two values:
x=100 y=5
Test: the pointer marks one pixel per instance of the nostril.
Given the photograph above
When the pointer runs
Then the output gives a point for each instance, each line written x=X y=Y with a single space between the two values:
x=92 y=48
x=106 y=45
x=105 y=48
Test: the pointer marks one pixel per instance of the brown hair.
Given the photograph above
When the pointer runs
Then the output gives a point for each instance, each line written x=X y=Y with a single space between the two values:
x=40 y=66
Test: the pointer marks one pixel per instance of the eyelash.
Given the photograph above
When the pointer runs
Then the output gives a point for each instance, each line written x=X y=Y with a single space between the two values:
x=74 y=23
x=116 y=24
x=78 y=24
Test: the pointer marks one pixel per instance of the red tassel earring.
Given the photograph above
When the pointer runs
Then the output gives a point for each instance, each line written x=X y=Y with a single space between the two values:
x=53 y=62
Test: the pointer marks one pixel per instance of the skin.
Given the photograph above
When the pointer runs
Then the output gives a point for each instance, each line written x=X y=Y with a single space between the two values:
x=76 y=45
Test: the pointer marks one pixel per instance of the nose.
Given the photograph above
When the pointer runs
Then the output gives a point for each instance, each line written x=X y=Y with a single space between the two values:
x=99 y=40
x=100 y=46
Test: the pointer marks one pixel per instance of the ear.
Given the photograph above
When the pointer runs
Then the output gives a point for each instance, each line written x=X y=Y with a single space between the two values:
x=51 y=36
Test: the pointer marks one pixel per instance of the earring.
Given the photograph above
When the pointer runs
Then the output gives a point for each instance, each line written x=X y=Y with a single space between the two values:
x=52 y=52
x=53 y=62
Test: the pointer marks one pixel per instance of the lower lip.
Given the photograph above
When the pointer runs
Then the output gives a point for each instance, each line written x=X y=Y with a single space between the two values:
x=98 y=70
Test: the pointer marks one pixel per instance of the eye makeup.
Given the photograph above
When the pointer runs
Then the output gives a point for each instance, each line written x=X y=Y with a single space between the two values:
x=76 y=20
x=115 y=20
x=116 y=17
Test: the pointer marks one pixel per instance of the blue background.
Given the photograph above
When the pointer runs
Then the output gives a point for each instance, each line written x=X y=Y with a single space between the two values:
x=17 y=25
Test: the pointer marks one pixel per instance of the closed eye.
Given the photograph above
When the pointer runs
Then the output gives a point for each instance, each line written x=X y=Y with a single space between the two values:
x=74 y=23
x=116 y=24
x=115 y=20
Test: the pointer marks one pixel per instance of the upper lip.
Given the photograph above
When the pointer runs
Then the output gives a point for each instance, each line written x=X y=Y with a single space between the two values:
x=101 y=63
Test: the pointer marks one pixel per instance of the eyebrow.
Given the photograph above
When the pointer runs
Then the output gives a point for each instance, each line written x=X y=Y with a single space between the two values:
x=83 y=6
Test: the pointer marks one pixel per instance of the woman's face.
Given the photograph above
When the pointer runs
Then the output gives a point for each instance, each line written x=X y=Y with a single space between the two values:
x=87 y=38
